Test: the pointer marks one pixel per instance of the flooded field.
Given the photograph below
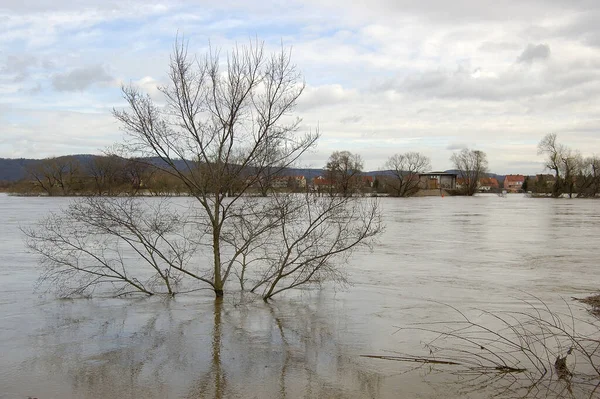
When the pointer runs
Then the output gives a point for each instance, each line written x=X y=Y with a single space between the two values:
x=486 y=253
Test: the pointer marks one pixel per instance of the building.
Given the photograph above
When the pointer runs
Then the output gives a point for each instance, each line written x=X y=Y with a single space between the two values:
x=514 y=183
x=322 y=184
x=437 y=181
x=488 y=184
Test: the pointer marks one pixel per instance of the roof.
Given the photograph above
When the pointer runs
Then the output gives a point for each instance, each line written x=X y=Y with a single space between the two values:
x=488 y=181
x=515 y=178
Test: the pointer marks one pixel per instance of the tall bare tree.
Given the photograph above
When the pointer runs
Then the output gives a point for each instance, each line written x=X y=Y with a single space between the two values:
x=472 y=165
x=343 y=170
x=219 y=130
x=588 y=180
x=405 y=169
x=554 y=153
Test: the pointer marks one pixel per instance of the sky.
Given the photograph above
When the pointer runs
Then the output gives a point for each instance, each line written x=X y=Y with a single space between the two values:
x=382 y=76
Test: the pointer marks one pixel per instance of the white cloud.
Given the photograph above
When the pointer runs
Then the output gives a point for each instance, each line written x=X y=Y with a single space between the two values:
x=383 y=76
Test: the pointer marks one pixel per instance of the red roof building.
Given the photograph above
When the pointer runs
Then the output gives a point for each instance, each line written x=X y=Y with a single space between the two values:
x=514 y=183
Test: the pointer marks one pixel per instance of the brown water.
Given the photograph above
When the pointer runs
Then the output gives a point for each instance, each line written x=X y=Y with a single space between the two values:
x=485 y=252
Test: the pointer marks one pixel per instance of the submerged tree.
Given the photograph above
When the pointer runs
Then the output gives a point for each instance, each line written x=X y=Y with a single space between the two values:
x=554 y=153
x=222 y=128
x=472 y=166
x=343 y=171
x=221 y=132
x=227 y=127
x=588 y=179
x=405 y=169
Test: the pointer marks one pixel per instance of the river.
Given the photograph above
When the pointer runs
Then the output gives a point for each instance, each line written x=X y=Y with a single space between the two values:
x=436 y=254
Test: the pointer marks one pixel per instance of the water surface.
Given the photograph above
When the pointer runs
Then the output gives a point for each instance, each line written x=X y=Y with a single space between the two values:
x=484 y=252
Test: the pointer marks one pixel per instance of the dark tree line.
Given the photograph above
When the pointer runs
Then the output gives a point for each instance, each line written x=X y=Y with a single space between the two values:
x=573 y=174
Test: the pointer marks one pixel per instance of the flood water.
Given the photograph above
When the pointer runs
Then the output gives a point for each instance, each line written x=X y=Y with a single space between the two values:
x=484 y=252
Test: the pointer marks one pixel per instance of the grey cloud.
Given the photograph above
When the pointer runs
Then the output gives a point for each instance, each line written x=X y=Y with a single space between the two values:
x=17 y=66
x=456 y=146
x=494 y=47
x=573 y=81
x=462 y=84
x=80 y=78
x=351 y=119
x=321 y=96
x=534 y=52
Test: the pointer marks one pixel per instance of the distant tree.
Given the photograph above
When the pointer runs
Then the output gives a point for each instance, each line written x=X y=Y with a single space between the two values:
x=525 y=185
x=472 y=166
x=405 y=169
x=56 y=175
x=564 y=162
x=107 y=174
x=554 y=153
x=344 y=169
x=588 y=180
x=137 y=174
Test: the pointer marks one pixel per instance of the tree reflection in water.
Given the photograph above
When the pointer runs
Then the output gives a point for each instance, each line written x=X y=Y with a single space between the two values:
x=215 y=349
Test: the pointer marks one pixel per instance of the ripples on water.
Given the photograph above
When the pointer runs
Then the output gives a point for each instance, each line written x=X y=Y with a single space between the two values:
x=485 y=252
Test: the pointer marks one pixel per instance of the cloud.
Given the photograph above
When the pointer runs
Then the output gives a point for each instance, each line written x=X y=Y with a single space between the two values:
x=456 y=146
x=18 y=66
x=79 y=79
x=325 y=95
x=534 y=52
x=351 y=119
x=382 y=76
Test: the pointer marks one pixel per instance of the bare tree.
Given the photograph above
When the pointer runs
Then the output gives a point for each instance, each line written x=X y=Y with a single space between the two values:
x=220 y=129
x=315 y=235
x=571 y=164
x=84 y=246
x=554 y=153
x=588 y=180
x=138 y=174
x=405 y=169
x=56 y=175
x=343 y=170
x=472 y=165
x=107 y=173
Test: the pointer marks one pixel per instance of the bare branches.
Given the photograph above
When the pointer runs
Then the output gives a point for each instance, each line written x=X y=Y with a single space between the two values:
x=405 y=169
x=535 y=353
x=472 y=165
x=224 y=127
x=343 y=170
x=84 y=246
x=315 y=235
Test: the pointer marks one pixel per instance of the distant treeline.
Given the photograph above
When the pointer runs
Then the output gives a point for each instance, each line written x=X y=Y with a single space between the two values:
x=105 y=175
x=93 y=175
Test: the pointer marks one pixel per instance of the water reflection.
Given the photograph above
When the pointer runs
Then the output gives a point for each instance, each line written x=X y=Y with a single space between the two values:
x=220 y=349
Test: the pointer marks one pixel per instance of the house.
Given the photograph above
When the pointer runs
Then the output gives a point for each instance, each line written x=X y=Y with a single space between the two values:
x=437 y=181
x=514 y=183
x=488 y=184
x=298 y=181
x=322 y=184
x=279 y=182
